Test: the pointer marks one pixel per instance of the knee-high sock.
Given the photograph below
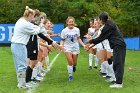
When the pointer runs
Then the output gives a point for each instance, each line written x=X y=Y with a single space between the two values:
x=90 y=59
x=28 y=74
x=111 y=72
x=109 y=68
x=96 y=60
x=70 y=70
x=103 y=68
x=39 y=66
x=35 y=72
x=47 y=60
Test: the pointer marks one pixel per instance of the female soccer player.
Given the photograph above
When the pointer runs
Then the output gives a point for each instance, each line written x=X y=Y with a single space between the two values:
x=70 y=38
x=111 y=32
x=93 y=50
x=32 y=48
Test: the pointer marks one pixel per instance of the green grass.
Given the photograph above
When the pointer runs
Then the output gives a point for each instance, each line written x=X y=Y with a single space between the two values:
x=85 y=81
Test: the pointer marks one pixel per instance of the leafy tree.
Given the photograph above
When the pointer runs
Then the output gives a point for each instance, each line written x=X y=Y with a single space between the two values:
x=124 y=12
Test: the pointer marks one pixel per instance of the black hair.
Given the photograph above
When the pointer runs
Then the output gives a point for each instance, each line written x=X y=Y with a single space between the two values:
x=103 y=16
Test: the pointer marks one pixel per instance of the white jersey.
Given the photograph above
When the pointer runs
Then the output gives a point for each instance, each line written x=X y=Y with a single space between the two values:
x=70 y=37
x=91 y=30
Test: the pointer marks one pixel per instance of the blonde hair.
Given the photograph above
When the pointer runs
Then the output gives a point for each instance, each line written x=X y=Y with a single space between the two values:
x=45 y=21
x=42 y=14
x=28 y=11
x=37 y=12
x=70 y=17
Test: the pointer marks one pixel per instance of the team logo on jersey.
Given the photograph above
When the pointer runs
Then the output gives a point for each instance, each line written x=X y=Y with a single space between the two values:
x=71 y=37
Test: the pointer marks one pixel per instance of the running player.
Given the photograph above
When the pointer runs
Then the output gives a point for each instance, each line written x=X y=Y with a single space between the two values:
x=70 y=38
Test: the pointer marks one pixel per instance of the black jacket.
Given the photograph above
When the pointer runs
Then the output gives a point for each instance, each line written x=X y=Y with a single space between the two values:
x=111 y=32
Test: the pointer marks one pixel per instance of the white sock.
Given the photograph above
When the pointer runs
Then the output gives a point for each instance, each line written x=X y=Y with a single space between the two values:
x=70 y=70
x=47 y=60
x=96 y=60
x=108 y=68
x=111 y=71
x=39 y=66
x=103 y=69
x=90 y=59
x=35 y=72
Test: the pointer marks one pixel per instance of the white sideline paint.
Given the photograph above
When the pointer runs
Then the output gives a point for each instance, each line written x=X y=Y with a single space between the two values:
x=30 y=90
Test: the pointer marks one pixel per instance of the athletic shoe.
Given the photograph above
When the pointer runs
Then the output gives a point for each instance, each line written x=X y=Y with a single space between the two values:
x=110 y=80
x=95 y=67
x=25 y=86
x=43 y=74
x=103 y=74
x=39 y=75
x=35 y=80
x=31 y=83
x=107 y=77
x=70 y=78
x=116 y=86
x=74 y=68
x=39 y=78
x=90 y=68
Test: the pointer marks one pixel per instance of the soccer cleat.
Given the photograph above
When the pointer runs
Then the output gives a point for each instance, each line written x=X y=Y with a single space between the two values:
x=103 y=74
x=95 y=67
x=116 y=86
x=111 y=80
x=90 y=68
x=39 y=75
x=74 y=68
x=70 y=78
x=39 y=78
x=35 y=80
x=107 y=77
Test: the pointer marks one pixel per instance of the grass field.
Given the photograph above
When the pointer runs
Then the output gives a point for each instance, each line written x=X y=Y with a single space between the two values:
x=85 y=81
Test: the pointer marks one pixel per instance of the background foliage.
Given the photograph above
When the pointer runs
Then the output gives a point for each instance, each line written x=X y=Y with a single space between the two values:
x=124 y=12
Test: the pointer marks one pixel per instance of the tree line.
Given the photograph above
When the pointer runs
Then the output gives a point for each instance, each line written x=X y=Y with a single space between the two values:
x=124 y=12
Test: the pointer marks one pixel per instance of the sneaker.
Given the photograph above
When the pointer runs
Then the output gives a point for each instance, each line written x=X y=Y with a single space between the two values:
x=116 y=86
x=110 y=80
x=39 y=78
x=74 y=68
x=35 y=80
x=39 y=75
x=103 y=74
x=107 y=77
x=95 y=67
x=90 y=68
x=43 y=74
x=70 y=78
x=25 y=86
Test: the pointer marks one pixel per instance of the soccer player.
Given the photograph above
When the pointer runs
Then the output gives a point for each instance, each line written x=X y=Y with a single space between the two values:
x=92 y=51
x=111 y=32
x=32 y=47
x=70 y=38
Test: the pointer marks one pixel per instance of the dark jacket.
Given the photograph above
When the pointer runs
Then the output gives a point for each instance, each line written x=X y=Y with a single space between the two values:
x=111 y=32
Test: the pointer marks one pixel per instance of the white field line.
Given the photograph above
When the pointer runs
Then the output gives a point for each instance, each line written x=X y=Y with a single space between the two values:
x=30 y=90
